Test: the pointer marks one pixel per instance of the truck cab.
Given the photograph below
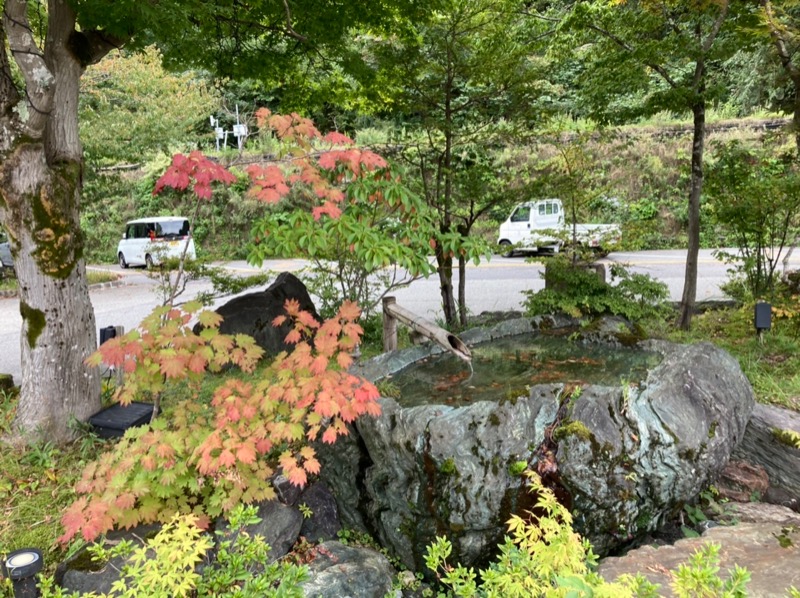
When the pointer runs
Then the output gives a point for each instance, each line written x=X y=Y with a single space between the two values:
x=533 y=225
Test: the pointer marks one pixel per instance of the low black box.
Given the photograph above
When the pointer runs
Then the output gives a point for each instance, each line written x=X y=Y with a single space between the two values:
x=112 y=421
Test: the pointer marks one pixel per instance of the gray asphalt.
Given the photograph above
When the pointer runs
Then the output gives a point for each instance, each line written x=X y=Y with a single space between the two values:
x=497 y=285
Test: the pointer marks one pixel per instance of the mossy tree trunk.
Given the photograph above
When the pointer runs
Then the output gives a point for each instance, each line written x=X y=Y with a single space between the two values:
x=40 y=185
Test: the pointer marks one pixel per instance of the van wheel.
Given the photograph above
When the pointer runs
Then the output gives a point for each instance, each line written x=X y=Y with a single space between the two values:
x=148 y=260
x=122 y=262
x=505 y=248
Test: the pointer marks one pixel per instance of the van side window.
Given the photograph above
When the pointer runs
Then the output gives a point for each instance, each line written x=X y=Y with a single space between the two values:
x=521 y=214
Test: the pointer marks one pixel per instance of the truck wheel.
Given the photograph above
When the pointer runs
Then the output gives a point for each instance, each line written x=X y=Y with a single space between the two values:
x=148 y=262
x=506 y=249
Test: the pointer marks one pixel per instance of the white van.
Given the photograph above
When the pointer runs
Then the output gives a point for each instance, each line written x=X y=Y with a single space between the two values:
x=148 y=241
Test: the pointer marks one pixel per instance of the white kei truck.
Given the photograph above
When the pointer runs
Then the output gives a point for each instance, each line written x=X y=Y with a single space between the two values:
x=538 y=226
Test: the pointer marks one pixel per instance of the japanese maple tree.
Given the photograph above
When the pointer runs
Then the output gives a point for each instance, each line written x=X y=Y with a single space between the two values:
x=207 y=457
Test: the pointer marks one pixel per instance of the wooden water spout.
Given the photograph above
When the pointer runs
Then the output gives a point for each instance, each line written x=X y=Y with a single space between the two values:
x=393 y=312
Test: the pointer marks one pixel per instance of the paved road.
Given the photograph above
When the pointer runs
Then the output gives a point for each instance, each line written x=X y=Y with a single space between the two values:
x=494 y=286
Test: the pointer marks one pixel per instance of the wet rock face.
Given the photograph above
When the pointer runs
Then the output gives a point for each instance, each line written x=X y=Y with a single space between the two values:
x=648 y=450
x=625 y=457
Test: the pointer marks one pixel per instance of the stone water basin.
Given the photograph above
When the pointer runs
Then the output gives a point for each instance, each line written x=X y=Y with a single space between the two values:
x=624 y=454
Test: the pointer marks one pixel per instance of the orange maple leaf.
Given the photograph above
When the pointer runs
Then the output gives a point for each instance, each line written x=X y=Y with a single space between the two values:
x=319 y=365
x=124 y=501
x=349 y=310
x=311 y=466
x=293 y=337
x=296 y=476
x=246 y=453
x=226 y=458
x=329 y=435
x=174 y=366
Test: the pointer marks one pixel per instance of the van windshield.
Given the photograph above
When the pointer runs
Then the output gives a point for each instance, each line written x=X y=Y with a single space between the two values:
x=177 y=228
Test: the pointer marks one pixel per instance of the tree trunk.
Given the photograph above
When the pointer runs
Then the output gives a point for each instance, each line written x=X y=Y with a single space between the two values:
x=690 y=279
x=445 y=270
x=40 y=182
x=462 y=291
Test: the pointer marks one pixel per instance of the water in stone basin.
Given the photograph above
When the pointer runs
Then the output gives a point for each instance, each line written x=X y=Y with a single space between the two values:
x=506 y=368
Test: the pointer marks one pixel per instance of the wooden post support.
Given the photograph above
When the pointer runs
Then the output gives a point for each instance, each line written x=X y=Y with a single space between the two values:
x=389 y=326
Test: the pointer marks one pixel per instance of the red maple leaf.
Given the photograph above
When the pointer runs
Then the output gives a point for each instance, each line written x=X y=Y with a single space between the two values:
x=328 y=208
x=336 y=138
x=73 y=520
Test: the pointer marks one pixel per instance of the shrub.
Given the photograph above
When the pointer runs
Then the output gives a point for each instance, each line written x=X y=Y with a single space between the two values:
x=579 y=292
x=208 y=458
x=544 y=556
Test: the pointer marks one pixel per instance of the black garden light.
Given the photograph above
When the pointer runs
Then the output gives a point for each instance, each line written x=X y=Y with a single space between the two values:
x=762 y=318
x=21 y=567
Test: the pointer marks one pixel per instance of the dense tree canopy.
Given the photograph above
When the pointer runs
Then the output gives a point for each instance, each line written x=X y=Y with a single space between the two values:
x=45 y=51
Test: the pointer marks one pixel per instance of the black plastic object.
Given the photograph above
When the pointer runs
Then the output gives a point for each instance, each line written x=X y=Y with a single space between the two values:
x=107 y=333
x=763 y=316
x=21 y=567
x=112 y=421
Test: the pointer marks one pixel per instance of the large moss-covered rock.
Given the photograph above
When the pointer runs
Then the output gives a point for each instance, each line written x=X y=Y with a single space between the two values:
x=624 y=458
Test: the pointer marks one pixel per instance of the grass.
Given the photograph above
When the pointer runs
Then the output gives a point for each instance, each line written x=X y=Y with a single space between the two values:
x=36 y=484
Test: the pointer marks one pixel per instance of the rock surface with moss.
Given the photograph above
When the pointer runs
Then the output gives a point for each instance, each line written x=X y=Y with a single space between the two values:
x=626 y=458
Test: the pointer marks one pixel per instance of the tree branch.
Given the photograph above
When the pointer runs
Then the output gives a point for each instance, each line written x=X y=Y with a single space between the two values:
x=289 y=28
x=630 y=49
x=706 y=45
x=781 y=45
x=39 y=81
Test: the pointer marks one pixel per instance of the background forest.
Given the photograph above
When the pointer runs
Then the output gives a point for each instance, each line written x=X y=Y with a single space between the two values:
x=503 y=141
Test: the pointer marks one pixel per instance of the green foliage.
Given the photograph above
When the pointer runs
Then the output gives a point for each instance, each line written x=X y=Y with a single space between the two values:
x=578 y=291
x=788 y=437
x=130 y=107
x=380 y=242
x=242 y=567
x=700 y=576
x=543 y=556
x=166 y=566
x=469 y=79
x=754 y=195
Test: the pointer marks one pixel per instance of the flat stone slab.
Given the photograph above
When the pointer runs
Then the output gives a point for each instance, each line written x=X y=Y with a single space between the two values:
x=754 y=546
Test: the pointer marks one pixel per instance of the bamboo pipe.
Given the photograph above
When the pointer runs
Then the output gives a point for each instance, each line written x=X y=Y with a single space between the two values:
x=393 y=312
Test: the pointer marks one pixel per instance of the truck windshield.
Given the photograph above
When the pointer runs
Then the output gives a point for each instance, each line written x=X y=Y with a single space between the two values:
x=521 y=214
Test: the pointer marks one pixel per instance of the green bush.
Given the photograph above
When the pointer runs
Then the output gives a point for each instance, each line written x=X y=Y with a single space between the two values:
x=544 y=556
x=166 y=566
x=577 y=290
